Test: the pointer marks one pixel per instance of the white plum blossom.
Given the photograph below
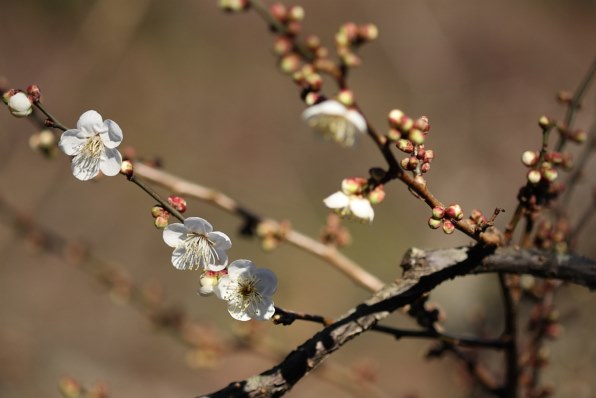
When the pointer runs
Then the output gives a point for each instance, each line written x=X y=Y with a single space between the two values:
x=334 y=121
x=248 y=291
x=196 y=245
x=20 y=105
x=93 y=146
x=351 y=206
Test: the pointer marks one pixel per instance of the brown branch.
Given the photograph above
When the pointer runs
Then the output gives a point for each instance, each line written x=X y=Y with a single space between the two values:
x=424 y=270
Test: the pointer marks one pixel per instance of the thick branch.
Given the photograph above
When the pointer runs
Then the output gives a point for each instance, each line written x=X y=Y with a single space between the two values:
x=424 y=270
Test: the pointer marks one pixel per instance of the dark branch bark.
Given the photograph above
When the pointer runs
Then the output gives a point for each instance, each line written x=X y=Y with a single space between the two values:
x=423 y=271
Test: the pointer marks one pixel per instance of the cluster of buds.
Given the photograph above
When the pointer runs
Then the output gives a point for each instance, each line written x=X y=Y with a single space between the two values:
x=545 y=168
x=409 y=136
x=350 y=37
x=445 y=217
x=552 y=237
x=162 y=216
x=335 y=234
x=234 y=5
x=272 y=233
x=290 y=18
x=20 y=104
x=69 y=387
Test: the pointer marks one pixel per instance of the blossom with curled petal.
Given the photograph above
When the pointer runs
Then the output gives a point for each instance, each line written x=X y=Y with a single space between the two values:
x=334 y=121
x=93 y=146
x=350 y=206
x=248 y=291
x=20 y=105
x=196 y=245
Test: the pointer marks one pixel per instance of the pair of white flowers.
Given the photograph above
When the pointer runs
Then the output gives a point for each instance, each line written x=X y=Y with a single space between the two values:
x=247 y=289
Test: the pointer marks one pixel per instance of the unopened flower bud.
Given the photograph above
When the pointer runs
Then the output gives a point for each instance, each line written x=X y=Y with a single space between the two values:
x=157 y=211
x=405 y=145
x=126 y=168
x=438 y=212
x=412 y=162
x=346 y=97
x=422 y=124
x=416 y=136
x=448 y=227
x=393 y=135
x=294 y=28
x=434 y=223
x=350 y=59
x=350 y=29
x=233 y=5
x=34 y=92
x=395 y=117
x=579 y=136
x=290 y=63
x=313 y=42
x=296 y=13
x=429 y=155
x=550 y=173
x=554 y=157
x=282 y=45
x=314 y=81
x=544 y=122
x=279 y=11
x=70 y=388
x=161 y=222
x=454 y=211
x=353 y=185
x=534 y=176
x=312 y=98
x=177 y=203
x=20 y=105
x=564 y=97
x=425 y=167
x=368 y=32
x=530 y=158
x=377 y=195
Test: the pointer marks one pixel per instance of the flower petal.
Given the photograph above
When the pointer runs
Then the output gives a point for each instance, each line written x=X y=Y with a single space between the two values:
x=220 y=264
x=263 y=310
x=85 y=167
x=110 y=162
x=174 y=234
x=237 y=310
x=240 y=267
x=266 y=281
x=362 y=209
x=329 y=107
x=198 y=225
x=179 y=260
x=357 y=120
x=338 y=200
x=71 y=140
x=112 y=137
x=223 y=288
x=91 y=122
x=221 y=240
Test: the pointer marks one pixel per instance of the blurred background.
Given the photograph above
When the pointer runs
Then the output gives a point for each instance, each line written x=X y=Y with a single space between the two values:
x=200 y=89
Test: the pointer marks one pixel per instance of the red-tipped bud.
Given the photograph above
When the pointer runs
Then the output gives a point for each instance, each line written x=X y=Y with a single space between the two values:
x=448 y=227
x=289 y=63
x=161 y=222
x=395 y=117
x=429 y=155
x=294 y=28
x=454 y=211
x=422 y=124
x=313 y=42
x=177 y=203
x=353 y=185
x=393 y=135
x=70 y=388
x=405 y=145
x=34 y=93
x=233 y=5
x=126 y=168
x=368 y=32
x=534 y=176
x=425 y=167
x=579 y=136
x=279 y=11
x=434 y=223
x=564 y=97
x=530 y=158
x=312 y=98
x=438 y=212
x=314 y=81
x=282 y=45
x=549 y=173
x=554 y=157
x=350 y=30
x=377 y=195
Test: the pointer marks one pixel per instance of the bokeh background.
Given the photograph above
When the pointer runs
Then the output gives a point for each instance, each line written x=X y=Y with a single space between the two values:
x=200 y=89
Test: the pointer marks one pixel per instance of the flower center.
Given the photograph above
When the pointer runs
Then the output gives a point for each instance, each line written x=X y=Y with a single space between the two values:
x=247 y=292
x=92 y=147
x=86 y=161
x=334 y=127
x=199 y=252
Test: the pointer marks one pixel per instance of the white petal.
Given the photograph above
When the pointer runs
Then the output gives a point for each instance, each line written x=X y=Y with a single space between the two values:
x=90 y=121
x=110 y=162
x=112 y=137
x=223 y=288
x=338 y=200
x=178 y=257
x=71 y=140
x=362 y=209
x=85 y=167
x=329 y=107
x=220 y=264
x=198 y=225
x=240 y=267
x=267 y=281
x=236 y=310
x=173 y=234
x=221 y=240
x=357 y=120
x=263 y=310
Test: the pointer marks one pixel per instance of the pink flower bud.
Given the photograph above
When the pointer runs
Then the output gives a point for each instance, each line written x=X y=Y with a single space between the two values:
x=353 y=185
x=405 y=145
x=377 y=195
x=425 y=167
x=434 y=223
x=438 y=212
x=454 y=211
x=279 y=11
x=395 y=117
x=368 y=32
x=448 y=227
x=282 y=45
x=157 y=211
x=177 y=203
x=313 y=42
x=549 y=173
x=289 y=63
x=161 y=222
x=393 y=135
x=312 y=98
x=416 y=136
x=34 y=93
x=422 y=124
x=429 y=155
